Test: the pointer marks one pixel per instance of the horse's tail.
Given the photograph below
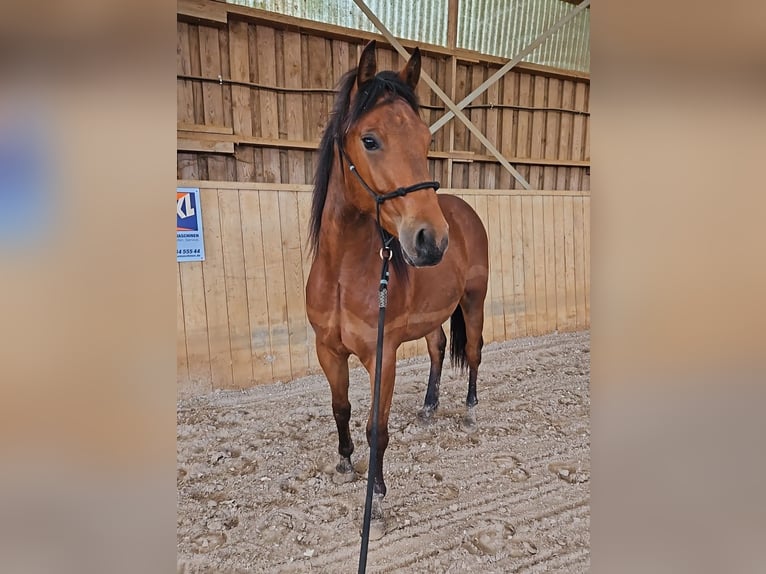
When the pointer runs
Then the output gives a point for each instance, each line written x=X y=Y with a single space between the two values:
x=457 y=340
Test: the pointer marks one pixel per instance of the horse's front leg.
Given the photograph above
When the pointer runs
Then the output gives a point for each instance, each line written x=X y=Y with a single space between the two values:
x=335 y=366
x=388 y=374
x=437 y=344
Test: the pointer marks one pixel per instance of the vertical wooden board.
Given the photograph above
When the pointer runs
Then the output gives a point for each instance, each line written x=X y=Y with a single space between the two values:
x=296 y=167
x=210 y=67
x=304 y=215
x=492 y=133
x=216 y=167
x=387 y=59
x=474 y=175
x=275 y=284
x=461 y=133
x=255 y=280
x=185 y=94
x=552 y=132
x=421 y=347
x=196 y=70
x=182 y=361
x=215 y=292
x=481 y=209
x=565 y=133
x=236 y=288
x=569 y=255
x=494 y=232
x=223 y=40
x=507 y=127
x=550 y=263
x=586 y=250
x=267 y=74
x=519 y=279
x=255 y=94
x=239 y=56
x=530 y=294
x=524 y=134
x=340 y=59
x=578 y=137
x=316 y=72
x=477 y=115
x=195 y=327
x=559 y=256
x=459 y=175
x=579 y=257
x=406 y=350
x=586 y=144
x=294 y=282
x=541 y=301
x=241 y=98
x=188 y=166
x=506 y=256
x=538 y=131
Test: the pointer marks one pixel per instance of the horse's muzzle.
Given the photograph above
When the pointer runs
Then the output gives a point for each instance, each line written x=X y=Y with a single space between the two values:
x=425 y=248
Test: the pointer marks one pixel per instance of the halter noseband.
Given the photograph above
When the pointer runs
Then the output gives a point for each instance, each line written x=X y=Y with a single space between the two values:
x=380 y=198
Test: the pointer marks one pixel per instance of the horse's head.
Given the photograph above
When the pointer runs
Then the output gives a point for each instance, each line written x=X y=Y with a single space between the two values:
x=386 y=143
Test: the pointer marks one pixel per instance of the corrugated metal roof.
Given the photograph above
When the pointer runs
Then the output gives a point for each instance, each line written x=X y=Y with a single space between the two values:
x=504 y=28
x=496 y=27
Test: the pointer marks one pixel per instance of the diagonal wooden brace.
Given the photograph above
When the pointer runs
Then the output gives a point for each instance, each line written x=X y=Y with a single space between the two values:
x=444 y=97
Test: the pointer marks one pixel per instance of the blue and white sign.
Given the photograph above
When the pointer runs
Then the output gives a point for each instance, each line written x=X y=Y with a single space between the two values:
x=190 y=245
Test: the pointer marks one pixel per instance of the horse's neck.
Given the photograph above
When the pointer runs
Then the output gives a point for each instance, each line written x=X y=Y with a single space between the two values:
x=346 y=233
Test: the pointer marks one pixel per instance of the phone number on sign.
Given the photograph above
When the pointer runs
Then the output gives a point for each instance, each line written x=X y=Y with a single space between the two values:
x=188 y=252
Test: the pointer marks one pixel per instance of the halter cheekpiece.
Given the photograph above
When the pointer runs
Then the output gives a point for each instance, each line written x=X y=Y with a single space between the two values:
x=381 y=198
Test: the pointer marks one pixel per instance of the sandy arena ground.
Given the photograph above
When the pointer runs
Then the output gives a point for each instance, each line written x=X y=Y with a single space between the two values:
x=255 y=472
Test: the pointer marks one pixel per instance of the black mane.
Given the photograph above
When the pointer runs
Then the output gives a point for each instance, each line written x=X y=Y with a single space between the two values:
x=385 y=86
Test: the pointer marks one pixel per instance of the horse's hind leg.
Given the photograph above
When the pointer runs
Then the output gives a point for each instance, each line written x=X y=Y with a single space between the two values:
x=437 y=343
x=335 y=366
x=472 y=305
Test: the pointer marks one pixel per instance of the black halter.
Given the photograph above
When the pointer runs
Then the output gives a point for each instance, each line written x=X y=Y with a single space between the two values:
x=380 y=198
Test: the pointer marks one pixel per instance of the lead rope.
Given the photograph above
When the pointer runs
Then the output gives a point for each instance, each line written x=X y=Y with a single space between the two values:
x=385 y=255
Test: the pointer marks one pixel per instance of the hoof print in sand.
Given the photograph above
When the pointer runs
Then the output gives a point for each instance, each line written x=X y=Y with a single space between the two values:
x=571 y=472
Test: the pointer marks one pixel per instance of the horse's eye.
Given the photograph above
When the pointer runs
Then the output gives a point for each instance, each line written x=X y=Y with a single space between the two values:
x=370 y=143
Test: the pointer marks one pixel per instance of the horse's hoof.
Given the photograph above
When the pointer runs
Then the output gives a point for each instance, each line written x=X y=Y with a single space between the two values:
x=468 y=424
x=344 y=472
x=377 y=528
x=426 y=415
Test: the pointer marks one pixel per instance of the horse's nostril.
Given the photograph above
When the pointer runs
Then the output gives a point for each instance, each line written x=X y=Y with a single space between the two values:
x=421 y=240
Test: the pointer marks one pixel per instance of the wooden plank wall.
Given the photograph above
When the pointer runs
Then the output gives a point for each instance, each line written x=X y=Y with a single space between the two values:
x=242 y=318
x=254 y=97
x=254 y=94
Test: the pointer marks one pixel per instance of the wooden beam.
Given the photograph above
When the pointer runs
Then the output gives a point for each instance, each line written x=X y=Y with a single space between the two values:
x=510 y=64
x=200 y=10
x=444 y=97
x=452 y=24
x=306 y=188
x=470 y=156
x=201 y=128
x=204 y=140
x=204 y=146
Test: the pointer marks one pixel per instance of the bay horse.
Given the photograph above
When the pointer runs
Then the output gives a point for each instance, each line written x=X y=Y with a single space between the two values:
x=373 y=168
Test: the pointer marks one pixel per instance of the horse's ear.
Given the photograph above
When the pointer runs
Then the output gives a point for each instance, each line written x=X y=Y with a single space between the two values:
x=368 y=67
x=410 y=74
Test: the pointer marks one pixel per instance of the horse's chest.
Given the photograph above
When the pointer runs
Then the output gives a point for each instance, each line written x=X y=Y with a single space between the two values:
x=342 y=310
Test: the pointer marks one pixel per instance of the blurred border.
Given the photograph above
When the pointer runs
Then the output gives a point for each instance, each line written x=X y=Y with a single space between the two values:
x=87 y=343
x=679 y=276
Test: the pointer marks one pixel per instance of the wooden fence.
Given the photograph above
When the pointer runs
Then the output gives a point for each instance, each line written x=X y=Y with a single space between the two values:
x=255 y=90
x=241 y=312
x=254 y=93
